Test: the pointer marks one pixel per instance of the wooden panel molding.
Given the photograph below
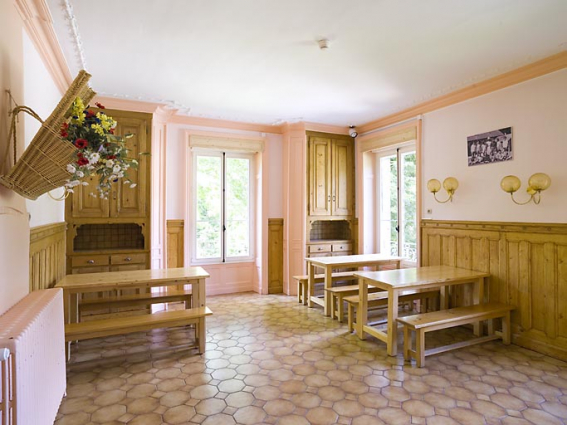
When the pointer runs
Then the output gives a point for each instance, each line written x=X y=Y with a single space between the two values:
x=275 y=255
x=516 y=76
x=47 y=255
x=175 y=244
x=528 y=267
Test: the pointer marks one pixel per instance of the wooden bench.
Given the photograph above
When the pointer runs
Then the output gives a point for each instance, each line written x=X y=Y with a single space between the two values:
x=338 y=294
x=302 y=283
x=124 y=325
x=380 y=300
x=163 y=296
x=443 y=319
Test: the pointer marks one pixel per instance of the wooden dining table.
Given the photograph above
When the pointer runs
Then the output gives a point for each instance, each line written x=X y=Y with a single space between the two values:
x=341 y=261
x=421 y=278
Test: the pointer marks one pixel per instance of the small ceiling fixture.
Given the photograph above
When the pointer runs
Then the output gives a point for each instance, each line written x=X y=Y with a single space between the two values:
x=323 y=43
x=352 y=131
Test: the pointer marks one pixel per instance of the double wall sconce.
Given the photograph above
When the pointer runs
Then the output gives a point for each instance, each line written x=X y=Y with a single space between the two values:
x=536 y=184
x=450 y=184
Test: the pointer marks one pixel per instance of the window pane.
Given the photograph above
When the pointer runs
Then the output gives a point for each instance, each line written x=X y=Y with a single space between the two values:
x=208 y=214
x=388 y=205
x=237 y=207
x=409 y=227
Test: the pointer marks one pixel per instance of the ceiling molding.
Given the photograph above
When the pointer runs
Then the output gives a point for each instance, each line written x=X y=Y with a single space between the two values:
x=39 y=26
x=326 y=128
x=524 y=73
x=127 y=104
x=235 y=125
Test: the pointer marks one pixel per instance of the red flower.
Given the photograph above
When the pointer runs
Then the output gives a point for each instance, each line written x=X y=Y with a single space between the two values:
x=64 y=126
x=111 y=131
x=64 y=134
x=98 y=105
x=83 y=161
x=90 y=114
x=111 y=157
x=81 y=143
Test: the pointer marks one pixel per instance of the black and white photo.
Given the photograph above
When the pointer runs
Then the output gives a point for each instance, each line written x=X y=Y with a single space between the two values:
x=486 y=148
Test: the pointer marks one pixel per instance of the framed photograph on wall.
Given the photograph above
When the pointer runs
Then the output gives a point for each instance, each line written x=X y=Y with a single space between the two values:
x=486 y=148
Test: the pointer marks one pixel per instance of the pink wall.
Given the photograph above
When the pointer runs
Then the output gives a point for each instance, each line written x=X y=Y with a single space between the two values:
x=14 y=227
x=537 y=112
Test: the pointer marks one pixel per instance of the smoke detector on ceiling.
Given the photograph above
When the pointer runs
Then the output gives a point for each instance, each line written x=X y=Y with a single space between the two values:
x=323 y=43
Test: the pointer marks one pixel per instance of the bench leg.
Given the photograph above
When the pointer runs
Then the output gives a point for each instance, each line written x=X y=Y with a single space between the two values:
x=350 y=314
x=407 y=344
x=506 y=329
x=299 y=289
x=200 y=331
x=340 y=308
x=333 y=305
x=420 y=347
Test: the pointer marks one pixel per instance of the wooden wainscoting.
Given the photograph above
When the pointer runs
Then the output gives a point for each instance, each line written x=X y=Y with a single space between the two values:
x=47 y=255
x=528 y=267
x=275 y=255
x=175 y=243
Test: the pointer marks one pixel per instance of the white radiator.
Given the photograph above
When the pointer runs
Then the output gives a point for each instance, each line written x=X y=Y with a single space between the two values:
x=33 y=376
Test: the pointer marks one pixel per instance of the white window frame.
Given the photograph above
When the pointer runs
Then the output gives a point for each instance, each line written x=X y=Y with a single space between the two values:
x=252 y=207
x=394 y=150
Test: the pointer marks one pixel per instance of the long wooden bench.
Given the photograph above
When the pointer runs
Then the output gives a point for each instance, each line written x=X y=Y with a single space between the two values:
x=380 y=300
x=338 y=295
x=443 y=319
x=163 y=296
x=123 y=325
x=302 y=281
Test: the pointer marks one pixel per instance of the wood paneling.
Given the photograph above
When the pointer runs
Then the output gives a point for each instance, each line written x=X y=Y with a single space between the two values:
x=528 y=267
x=175 y=244
x=275 y=255
x=47 y=255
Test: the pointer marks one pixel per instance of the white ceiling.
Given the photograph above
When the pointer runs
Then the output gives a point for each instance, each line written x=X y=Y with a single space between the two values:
x=258 y=60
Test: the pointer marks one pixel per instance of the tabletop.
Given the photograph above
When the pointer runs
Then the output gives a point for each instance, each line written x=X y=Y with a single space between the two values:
x=353 y=260
x=429 y=275
x=108 y=280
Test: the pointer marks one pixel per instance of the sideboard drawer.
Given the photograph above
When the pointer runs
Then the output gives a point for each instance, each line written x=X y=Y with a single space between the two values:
x=90 y=260
x=342 y=247
x=127 y=258
x=313 y=249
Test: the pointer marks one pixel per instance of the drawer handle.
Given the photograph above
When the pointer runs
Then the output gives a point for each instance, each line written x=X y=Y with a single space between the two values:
x=340 y=247
x=128 y=259
x=90 y=261
x=319 y=249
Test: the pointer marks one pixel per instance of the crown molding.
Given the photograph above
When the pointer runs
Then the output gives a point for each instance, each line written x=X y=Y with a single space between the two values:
x=326 y=128
x=234 y=125
x=128 y=104
x=516 y=76
x=39 y=26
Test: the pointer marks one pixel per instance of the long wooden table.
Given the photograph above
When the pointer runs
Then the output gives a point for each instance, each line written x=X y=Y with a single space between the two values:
x=341 y=261
x=396 y=281
x=76 y=284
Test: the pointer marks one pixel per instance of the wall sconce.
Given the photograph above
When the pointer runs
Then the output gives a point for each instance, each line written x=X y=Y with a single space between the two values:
x=536 y=183
x=450 y=184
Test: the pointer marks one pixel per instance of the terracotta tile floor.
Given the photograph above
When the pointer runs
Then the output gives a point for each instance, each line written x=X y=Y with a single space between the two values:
x=270 y=360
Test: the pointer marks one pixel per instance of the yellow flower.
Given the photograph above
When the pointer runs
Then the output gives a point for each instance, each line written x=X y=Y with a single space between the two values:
x=105 y=121
x=77 y=110
x=98 y=128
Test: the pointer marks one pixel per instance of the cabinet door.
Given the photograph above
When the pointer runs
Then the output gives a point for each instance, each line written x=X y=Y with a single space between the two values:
x=124 y=200
x=342 y=176
x=319 y=176
x=85 y=205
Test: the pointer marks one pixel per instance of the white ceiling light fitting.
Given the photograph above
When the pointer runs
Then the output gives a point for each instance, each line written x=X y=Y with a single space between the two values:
x=323 y=43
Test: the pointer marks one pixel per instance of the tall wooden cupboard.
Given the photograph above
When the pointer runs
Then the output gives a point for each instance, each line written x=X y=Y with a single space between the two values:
x=114 y=234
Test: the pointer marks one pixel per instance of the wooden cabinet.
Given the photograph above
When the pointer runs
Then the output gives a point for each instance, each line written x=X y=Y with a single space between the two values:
x=114 y=234
x=330 y=175
x=123 y=201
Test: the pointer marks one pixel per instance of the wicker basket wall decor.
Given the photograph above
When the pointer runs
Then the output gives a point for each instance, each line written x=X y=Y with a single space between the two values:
x=42 y=166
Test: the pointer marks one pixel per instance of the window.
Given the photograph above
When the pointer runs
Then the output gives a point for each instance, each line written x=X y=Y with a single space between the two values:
x=397 y=230
x=223 y=206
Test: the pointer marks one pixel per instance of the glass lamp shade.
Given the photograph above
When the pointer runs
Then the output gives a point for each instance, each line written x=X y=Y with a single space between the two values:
x=539 y=181
x=450 y=184
x=434 y=185
x=510 y=184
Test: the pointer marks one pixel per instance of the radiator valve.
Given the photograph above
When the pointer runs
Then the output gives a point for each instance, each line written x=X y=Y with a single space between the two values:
x=4 y=354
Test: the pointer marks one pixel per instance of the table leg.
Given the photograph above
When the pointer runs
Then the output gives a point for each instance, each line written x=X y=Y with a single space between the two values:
x=327 y=295
x=198 y=291
x=310 y=284
x=444 y=297
x=67 y=306
x=392 y=344
x=201 y=330
x=362 y=310
x=74 y=308
x=478 y=298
